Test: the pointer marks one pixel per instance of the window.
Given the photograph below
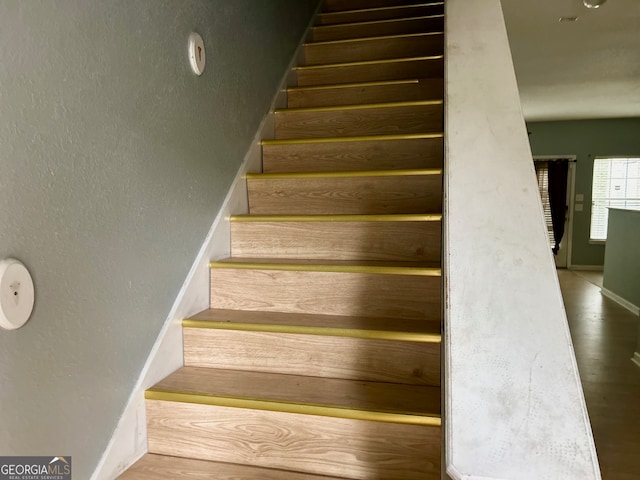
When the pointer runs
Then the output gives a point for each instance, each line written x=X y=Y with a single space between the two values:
x=616 y=183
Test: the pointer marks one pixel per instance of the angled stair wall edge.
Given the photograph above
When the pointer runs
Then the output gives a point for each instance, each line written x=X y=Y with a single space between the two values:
x=510 y=369
x=129 y=440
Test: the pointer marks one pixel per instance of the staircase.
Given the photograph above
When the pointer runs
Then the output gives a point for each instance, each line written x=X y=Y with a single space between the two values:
x=320 y=355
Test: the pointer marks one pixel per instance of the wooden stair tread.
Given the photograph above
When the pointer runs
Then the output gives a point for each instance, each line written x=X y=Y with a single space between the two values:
x=349 y=173
x=398 y=217
x=353 y=85
x=429 y=66
x=374 y=47
x=303 y=393
x=416 y=116
x=372 y=27
x=408 y=268
x=370 y=106
x=341 y=5
x=165 y=467
x=378 y=13
x=349 y=41
x=359 y=138
x=339 y=325
x=368 y=62
x=366 y=93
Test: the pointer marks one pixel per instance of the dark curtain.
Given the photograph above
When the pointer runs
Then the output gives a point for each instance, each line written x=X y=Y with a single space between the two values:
x=558 y=172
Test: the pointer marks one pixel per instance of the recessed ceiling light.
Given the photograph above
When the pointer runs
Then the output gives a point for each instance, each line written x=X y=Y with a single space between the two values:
x=593 y=3
x=568 y=19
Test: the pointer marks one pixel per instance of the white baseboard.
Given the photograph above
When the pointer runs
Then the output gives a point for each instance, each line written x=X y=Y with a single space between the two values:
x=621 y=301
x=593 y=268
x=129 y=440
x=636 y=358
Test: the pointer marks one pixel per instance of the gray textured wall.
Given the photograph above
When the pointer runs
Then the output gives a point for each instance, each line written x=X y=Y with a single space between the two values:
x=114 y=160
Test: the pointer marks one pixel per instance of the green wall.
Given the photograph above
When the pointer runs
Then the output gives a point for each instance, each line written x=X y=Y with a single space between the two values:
x=114 y=161
x=622 y=266
x=586 y=139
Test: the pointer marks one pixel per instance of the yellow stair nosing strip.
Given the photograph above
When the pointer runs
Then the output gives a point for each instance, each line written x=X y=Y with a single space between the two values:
x=407 y=418
x=362 y=106
x=432 y=217
x=359 y=138
x=329 y=268
x=411 y=81
x=394 y=7
x=368 y=62
x=378 y=37
x=310 y=330
x=386 y=20
x=346 y=174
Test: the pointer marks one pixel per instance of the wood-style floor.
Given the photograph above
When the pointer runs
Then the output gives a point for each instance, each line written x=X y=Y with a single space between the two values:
x=604 y=337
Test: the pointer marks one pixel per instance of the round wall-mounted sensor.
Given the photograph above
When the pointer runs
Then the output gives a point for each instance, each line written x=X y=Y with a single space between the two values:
x=16 y=294
x=197 y=56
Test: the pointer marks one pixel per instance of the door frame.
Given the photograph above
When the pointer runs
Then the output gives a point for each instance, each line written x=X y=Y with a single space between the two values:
x=571 y=194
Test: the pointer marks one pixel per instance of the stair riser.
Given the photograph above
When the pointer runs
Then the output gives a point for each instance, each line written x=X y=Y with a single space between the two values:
x=347 y=195
x=373 y=49
x=388 y=241
x=371 y=15
x=368 y=121
x=387 y=70
x=353 y=156
x=356 y=449
x=365 y=294
x=425 y=89
x=338 y=5
x=314 y=355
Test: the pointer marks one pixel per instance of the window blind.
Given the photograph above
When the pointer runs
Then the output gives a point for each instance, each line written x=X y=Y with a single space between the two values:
x=616 y=183
x=542 y=173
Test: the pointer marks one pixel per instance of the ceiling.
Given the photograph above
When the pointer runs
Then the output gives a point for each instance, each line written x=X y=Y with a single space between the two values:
x=575 y=70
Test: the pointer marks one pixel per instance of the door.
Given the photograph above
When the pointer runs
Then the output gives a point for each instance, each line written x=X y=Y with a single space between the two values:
x=563 y=255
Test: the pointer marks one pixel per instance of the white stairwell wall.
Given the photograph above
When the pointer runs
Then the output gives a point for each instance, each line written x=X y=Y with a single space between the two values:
x=514 y=407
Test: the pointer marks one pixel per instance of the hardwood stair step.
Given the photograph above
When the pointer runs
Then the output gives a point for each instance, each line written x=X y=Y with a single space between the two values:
x=366 y=92
x=337 y=237
x=371 y=70
x=165 y=467
x=385 y=152
x=409 y=290
x=369 y=193
x=372 y=328
x=380 y=13
x=430 y=23
x=315 y=425
x=418 y=116
x=331 y=397
x=338 y=5
x=357 y=348
x=374 y=48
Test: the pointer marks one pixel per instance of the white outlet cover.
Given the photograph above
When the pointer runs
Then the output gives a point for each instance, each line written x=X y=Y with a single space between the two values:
x=197 y=54
x=17 y=294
